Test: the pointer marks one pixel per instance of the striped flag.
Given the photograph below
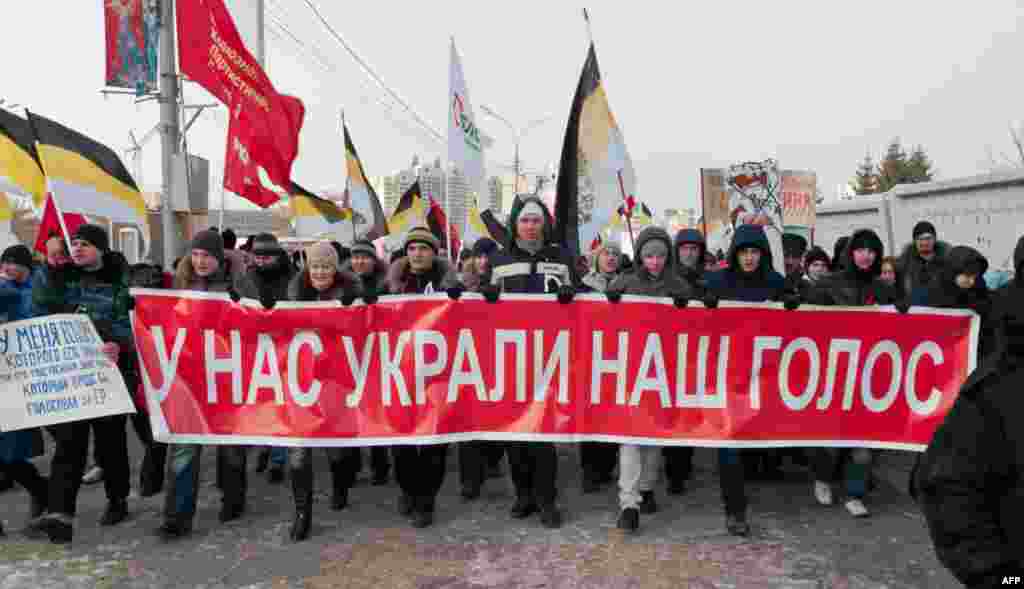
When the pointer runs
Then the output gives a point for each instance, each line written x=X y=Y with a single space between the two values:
x=87 y=177
x=370 y=222
x=19 y=163
x=313 y=216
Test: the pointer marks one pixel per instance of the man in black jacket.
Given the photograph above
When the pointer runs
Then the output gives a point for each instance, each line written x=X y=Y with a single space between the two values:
x=420 y=470
x=533 y=264
x=922 y=259
x=970 y=481
x=266 y=280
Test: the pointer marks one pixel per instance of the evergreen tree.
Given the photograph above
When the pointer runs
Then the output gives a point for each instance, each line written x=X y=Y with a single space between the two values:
x=893 y=168
x=866 y=179
x=919 y=167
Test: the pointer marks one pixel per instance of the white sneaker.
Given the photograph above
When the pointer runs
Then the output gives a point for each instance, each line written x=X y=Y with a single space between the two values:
x=94 y=476
x=823 y=493
x=856 y=508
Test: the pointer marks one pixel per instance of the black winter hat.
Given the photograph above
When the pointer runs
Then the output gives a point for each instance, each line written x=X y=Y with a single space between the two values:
x=17 y=254
x=94 y=234
x=817 y=255
x=793 y=245
x=265 y=244
x=484 y=247
x=211 y=242
x=924 y=228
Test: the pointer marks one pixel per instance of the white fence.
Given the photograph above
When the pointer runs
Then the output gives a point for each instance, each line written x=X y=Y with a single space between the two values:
x=985 y=212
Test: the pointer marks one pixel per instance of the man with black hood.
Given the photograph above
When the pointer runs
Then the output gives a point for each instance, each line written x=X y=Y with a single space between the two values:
x=95 y=284
x=654 y=276
x=532 y=263
x=750 y=278
x=970 y=480
x=857 y=284
x=691 y=251
x=266 y=280
x=794 y=247
x=960 y=285
x=420 y=469
x=373 y=275
x=839 y=253
x=922 y=258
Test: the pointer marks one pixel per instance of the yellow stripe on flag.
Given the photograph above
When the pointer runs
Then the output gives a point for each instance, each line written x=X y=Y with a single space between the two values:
x=415 y=215
x=6 y=212
x=19 y=172
x=83 y=187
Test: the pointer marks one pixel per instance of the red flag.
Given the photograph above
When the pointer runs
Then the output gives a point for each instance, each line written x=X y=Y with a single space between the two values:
x=241 y=171
x=50 y=224
x=211 y=52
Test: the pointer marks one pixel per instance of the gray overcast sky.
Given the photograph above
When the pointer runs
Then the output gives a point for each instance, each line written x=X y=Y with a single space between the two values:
x=814 y=84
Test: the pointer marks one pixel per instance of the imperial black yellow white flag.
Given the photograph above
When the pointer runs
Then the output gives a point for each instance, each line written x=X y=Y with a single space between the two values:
x=87 y=177
x=596 y=173
x=19 y=165
x=370 y=222
x=313 y=216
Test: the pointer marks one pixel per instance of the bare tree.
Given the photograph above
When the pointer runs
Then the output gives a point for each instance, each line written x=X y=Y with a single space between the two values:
x=1006 y=161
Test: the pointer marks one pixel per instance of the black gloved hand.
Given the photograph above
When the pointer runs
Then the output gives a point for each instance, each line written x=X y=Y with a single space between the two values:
x=491 y=293
x=131 y=303
x=614 y=296
x=347 y=299
x=791 y=302
x=233 y=295
x=370 y=298
x=566 y=294
x=680 y=301
x=268 y=301
x=710 y=301
x=902 y=305
x=455 y=292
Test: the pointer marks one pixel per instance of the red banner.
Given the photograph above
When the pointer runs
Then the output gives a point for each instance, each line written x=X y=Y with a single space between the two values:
x=426 y=369
x=266 y=124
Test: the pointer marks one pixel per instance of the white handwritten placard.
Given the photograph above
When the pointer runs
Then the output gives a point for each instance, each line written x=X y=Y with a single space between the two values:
x=53 y=370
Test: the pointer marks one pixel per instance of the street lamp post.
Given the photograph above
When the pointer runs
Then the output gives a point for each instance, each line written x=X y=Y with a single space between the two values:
x=518 y=133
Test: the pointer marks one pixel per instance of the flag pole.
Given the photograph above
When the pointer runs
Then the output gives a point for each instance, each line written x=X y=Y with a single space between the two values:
x=703 y=208
x=49 y=191
x=348 y=180
x=629 y=213
x=590 y=32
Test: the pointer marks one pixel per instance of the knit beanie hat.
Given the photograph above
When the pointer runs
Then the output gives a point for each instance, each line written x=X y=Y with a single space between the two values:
x=421 y=235
x=654 y=247
x=322 y=253
x=17 y=254
x=924 y=228
x=793 y=245
x=211 y=242
x=364 y=247
x=93 y=234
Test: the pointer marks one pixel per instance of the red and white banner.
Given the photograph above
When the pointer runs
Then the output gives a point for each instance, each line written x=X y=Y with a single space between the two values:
x=425 y=369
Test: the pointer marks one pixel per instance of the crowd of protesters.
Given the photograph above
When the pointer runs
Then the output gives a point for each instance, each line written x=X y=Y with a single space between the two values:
x=969 y=482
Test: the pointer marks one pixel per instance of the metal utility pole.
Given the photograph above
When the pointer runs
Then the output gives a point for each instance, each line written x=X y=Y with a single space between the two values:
x=519 y=133
x=261 y=47
x=168 y=127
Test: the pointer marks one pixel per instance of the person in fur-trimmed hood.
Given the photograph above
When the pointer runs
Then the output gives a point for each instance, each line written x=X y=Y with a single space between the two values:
x=421 y=270
x=420 y=469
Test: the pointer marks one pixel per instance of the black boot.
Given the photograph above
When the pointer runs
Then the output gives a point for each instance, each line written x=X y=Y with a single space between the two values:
x=629 y=520
x=230 y=511
x=117 y=512
x=339 y=489
x=175 y=528
x=648 y=504
x=405 y=504
x=736 y=524
x=27 y=475
x=275 y=475
x=423 y=512
x=302 y=491
x=523 y=508
x=151 y=473
x=262 y=460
